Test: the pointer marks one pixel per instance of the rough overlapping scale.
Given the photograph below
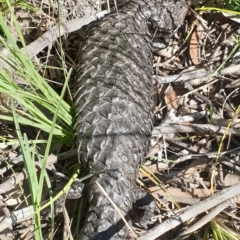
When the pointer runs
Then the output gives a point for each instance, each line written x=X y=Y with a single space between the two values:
x=113 y=102
x=114 y=120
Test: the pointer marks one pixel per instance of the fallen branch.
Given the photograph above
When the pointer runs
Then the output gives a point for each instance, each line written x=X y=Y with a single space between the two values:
x=208 y=217
x=196 y=76
x=196 y=128
x=52 y=34
x=65 y=27
x=205 y=205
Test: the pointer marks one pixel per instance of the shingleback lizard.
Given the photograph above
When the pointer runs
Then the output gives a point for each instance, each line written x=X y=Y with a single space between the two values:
x=113 y=102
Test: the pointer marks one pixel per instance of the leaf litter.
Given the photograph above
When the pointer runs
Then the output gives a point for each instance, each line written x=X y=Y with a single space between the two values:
x=195 y=144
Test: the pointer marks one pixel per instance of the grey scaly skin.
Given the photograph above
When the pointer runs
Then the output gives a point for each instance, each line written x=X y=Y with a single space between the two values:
x=113 y=102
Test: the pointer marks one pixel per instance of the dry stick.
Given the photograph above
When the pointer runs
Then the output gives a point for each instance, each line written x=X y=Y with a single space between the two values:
x=65 y=27
x=231 y=165
x=16 y=217
x=67 y=233
x=52 y=34
x=197 y=128
x=205 y=205
x=196 y=76
x=208 y=217
x=116 y=208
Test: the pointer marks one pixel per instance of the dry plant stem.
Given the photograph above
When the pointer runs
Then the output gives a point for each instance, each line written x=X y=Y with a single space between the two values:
x=195 y=128
x=208 y=217
x=116 y=208
x=205 y=205
x=231 y=165
x=206 y=100
x=208 y=155
x=196 y=76
x=16 y=217
x=57 y=31
x=52 y=34
x=67 y=234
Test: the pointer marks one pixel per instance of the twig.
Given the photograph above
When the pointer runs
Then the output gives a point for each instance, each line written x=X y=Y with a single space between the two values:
x=67 y=233
x=196 y=128
x=16 y=217
x=52 y=34
x=209 y=203
x=65 y=27
x=196 y=76
x=208 y=217
x=116 y=208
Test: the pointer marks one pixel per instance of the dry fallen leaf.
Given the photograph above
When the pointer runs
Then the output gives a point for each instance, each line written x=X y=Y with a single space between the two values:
x=194 y=44
x=172 y=101
x=231 y=179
